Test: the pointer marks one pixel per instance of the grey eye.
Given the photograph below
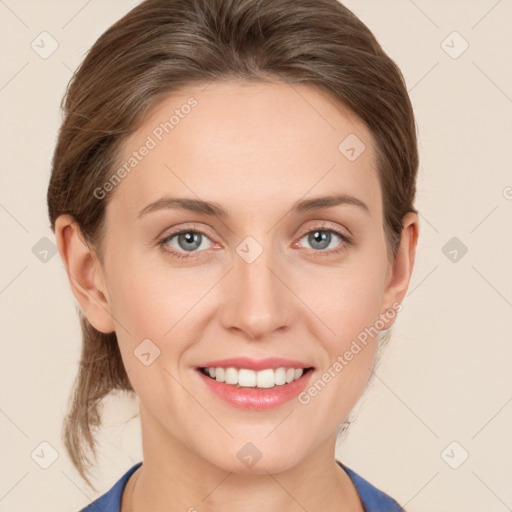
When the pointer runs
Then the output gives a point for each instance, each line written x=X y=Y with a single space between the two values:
x=188 y=241
x=319 y=239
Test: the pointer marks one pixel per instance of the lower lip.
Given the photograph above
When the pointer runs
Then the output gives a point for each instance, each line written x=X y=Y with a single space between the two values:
x=257 y=398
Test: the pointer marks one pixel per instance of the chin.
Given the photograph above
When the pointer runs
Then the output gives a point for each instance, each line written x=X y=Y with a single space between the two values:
x=252 y=458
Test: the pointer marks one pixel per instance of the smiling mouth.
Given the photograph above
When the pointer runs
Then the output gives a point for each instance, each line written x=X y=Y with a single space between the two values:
x=264 y=379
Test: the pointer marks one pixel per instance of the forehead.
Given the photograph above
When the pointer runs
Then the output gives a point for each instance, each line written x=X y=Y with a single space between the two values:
x=248 y=144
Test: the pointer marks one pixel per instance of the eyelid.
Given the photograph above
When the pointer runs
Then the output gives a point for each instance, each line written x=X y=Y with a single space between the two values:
x=193 y=226
x=327 y=226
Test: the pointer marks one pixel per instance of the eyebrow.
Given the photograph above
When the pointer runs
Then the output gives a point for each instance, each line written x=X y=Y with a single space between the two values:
x=211 y=208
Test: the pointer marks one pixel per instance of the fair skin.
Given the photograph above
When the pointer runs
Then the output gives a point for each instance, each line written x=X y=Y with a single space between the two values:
x=255 y=149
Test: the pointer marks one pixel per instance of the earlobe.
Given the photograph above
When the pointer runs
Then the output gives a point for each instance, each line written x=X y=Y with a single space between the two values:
x=85 y=273
x=401 y=270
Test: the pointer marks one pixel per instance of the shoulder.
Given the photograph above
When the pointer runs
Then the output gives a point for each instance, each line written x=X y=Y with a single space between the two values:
x=373 y=499
x=111 y=500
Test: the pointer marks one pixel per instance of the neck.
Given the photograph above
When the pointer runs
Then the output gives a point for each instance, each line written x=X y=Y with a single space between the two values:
x=174 y=478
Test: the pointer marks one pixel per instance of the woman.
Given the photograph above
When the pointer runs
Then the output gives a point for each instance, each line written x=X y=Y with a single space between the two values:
x=232 y=196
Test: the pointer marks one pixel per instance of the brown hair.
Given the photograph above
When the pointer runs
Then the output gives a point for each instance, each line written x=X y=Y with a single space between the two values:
x=162 y=45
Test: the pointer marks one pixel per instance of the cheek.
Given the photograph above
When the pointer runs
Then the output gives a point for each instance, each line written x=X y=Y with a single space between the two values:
x=346 y=300
x=358 y=306
x=348 y=306
x=150 y=300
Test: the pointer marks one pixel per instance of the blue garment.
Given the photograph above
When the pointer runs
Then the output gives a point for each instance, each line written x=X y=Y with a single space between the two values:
x=372 y=498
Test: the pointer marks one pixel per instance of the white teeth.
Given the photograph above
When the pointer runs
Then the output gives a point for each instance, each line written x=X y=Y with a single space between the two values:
x=250 y=378
x=246 y=378
x=280 y=376
x=231 y=376
x=266 y=379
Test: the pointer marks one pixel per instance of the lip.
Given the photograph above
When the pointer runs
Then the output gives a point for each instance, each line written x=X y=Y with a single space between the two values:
x=257 y=399
x=256 y=364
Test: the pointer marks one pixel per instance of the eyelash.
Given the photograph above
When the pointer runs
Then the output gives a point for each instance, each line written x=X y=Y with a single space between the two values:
x=347 y=241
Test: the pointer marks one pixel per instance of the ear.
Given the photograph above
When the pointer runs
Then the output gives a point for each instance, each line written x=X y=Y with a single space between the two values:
x=400 y=270
x=85 y=273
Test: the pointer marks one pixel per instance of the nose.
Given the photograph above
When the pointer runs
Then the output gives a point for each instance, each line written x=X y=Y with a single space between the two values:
x=258 y=301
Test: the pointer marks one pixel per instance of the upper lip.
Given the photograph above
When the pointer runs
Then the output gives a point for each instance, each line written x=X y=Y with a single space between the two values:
x=255 y=364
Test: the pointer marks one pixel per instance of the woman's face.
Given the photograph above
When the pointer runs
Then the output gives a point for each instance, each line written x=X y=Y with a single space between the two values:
x=266 y=279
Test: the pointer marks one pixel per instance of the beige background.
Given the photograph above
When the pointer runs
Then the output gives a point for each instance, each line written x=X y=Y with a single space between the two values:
x=446 y=374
